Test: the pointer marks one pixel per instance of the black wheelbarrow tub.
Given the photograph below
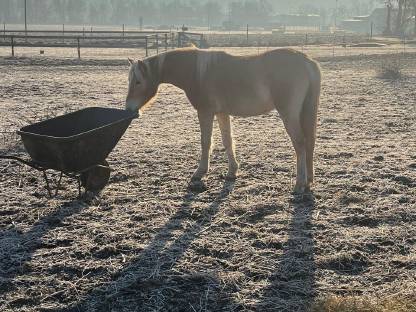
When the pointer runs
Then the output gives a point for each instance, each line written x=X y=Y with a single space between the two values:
x=76 y=141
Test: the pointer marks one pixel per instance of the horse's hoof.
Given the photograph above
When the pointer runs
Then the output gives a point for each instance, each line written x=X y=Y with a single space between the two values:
x=302 y=189
x=230 y=178
x=299 y=190
x=197 y=186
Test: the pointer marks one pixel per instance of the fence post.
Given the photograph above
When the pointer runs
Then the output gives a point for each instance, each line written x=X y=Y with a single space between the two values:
x=12 y=42
x=247 y=35
x=371 y=30
x=147 y=49
x=83 y=32
x=166 y=42
x=78 y=49
x=63 y=32
x=157 y=44
x=172 y=40
x=306 y=39
x=179 y=39
x=123 y=31
x=4 y=31
x=201 y=40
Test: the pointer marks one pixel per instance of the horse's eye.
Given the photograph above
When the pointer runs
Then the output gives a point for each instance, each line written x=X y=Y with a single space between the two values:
x=137 y=82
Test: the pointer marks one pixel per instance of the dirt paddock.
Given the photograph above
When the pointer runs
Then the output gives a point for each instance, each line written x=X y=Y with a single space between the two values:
x=148 y=244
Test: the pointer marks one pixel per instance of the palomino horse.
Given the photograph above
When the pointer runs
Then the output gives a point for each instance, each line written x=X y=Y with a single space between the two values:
x=219 y=84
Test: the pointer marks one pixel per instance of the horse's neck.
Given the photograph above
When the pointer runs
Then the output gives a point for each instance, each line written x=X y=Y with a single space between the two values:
x=179 y=68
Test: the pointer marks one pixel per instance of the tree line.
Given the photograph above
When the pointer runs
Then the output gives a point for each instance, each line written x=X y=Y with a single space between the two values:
x=112 y=12
x=195 y=12
x=404 y=11
x=167 y=12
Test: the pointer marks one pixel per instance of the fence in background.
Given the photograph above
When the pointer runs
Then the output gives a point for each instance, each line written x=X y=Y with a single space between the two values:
x=156 y=41
x=91 y=38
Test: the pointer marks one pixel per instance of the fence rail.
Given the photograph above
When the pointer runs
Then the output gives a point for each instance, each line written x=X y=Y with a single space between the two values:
x=15 y=31
x=75 y=37
x=154 y=41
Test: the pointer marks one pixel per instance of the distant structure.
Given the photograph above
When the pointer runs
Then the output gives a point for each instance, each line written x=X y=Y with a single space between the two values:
x=282 y=22
x=293 y=21
x=362 y=24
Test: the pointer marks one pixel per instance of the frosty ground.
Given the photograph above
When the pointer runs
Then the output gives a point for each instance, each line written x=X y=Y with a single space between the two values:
x=148 y=244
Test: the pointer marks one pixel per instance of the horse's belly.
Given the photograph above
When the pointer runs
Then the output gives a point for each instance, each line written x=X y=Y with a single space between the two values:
x=249 y=107
x=248 y=102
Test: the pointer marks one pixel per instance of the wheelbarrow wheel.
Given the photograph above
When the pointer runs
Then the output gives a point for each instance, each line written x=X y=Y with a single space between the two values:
x=95 y=179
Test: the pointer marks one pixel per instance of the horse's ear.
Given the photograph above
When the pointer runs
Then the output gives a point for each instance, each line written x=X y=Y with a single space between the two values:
x=130 y=61
x=142 y=66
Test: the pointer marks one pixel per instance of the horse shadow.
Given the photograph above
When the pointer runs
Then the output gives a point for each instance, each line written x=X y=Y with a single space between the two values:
x=151 y=282
x=292 y=287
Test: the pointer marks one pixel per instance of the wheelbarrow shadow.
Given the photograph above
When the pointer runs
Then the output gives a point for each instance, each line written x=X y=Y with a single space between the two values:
x=150 y=282
x=17 y=248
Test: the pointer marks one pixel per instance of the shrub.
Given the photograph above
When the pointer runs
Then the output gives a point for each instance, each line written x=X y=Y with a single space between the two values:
x=391 y=69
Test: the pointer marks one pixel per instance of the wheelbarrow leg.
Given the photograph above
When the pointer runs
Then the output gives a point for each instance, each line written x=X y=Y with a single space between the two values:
x=79 y=186
x=58 y=185
x=47 y=183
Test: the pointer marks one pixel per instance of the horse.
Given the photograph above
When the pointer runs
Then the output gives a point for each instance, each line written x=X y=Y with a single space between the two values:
x=223 y=85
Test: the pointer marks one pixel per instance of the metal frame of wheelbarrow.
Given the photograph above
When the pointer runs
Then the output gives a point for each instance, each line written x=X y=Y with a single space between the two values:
x=75 y=143
x=72 y=175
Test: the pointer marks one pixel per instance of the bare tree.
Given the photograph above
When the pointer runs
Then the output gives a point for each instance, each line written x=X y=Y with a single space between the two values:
x=389 y=7
x=399 y=18
x=414 y=14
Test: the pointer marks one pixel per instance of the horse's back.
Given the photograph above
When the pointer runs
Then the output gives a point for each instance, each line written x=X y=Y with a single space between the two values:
x=252 y=85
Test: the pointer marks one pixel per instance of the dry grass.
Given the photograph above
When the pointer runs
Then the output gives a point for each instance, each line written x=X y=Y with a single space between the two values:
x=359 y=304
x=148 y=244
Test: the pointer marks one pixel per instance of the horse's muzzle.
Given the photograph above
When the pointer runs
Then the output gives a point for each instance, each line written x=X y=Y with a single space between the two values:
x=132 y=106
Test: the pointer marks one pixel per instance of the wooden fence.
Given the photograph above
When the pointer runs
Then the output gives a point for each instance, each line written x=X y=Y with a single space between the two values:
x=85 y=31
x=156 y=41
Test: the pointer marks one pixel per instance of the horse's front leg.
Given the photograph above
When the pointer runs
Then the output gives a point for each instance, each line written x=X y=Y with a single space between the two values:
x=206 y=120
x=224 y=122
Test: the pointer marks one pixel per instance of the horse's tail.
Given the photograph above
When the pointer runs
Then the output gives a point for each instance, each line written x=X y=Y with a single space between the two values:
x=309 y=115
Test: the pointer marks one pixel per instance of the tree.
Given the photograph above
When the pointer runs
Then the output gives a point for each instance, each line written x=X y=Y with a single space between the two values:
x=308 y=9
x=389 y=7
x=253 y=12
x=75 y=11
x=399 y=19
x=406 y=10
x=212 y=11
x=414 y=14
x=6 y=11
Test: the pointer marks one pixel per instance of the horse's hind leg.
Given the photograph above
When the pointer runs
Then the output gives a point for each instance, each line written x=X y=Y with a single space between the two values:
x=291 y=116
x=294 y=129
x=206 y=120
x=224 y=123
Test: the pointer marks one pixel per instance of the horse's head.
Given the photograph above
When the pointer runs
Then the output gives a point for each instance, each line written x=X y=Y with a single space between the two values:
x=142 y=86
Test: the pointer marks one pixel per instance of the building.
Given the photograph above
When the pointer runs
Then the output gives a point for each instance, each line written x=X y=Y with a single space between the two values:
x=362 y=24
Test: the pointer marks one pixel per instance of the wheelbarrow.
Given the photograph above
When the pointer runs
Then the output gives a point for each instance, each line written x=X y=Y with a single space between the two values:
x=76 y=145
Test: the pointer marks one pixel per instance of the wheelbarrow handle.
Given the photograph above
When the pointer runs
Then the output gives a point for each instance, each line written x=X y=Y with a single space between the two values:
x=21 y=160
